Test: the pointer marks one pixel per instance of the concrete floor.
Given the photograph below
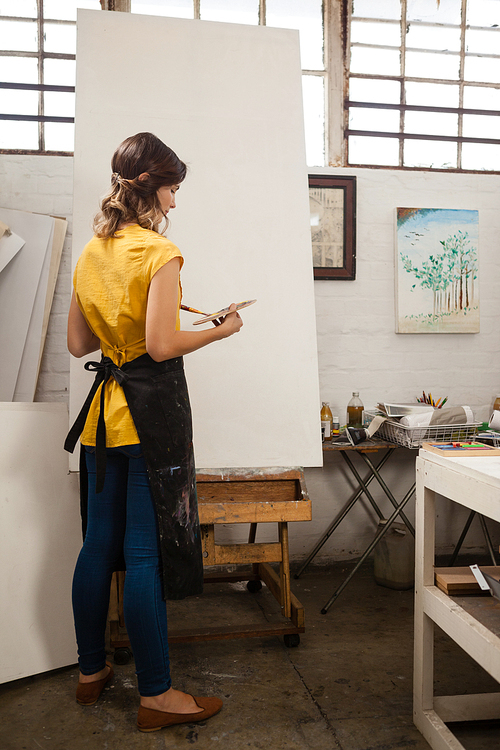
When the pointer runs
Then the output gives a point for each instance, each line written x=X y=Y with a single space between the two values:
x=348 y=685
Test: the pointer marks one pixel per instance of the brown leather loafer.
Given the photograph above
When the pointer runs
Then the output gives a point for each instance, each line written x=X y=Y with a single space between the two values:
x=87 y=693
x=150 y=720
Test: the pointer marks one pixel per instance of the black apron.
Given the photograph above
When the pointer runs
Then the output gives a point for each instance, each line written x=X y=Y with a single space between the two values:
x=158 y=400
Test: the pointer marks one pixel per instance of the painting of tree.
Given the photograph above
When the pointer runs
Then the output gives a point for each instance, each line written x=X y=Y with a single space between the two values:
x=437 y=271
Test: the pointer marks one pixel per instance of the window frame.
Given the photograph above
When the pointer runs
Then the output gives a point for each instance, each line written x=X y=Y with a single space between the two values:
x=41 y=55
x=403 y=136
x=336 y=75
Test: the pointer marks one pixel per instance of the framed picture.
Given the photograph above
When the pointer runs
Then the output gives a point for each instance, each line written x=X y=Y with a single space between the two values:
x=332 y=202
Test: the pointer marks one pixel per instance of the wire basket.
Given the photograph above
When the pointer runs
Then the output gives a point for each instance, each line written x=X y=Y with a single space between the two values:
x=413 y=437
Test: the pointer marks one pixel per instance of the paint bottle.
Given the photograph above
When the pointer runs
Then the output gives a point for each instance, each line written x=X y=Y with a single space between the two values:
x=355 y=411
x=335 y=426
x=326 y=421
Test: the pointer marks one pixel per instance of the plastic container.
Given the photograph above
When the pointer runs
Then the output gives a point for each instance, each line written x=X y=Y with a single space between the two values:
x=326 y=421
x=355 y=411
x=394 y=558
x=335 y=426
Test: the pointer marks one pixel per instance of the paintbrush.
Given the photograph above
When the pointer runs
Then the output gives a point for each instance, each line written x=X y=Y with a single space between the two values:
x=193 y=310
x=199 y=312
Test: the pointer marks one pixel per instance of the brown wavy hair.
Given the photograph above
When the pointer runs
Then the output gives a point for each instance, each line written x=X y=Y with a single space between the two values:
x=134 y=200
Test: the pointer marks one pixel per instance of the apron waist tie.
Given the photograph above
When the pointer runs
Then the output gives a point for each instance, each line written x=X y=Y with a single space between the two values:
x=104 y=369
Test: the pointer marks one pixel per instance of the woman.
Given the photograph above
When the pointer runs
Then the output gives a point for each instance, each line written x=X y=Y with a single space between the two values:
x=138 y=479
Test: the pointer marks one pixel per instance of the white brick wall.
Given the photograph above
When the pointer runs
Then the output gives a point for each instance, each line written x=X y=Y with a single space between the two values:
x=359 y=350
x=357 y=346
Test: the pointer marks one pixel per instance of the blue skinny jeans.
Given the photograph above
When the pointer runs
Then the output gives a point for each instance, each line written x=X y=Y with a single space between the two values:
x=122 y=519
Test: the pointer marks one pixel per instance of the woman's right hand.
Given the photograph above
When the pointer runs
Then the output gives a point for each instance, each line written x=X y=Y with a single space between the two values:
x=231 y=323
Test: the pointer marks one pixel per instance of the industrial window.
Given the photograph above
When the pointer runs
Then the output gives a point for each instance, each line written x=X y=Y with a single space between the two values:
x=422 y=77
x=37 y=74
x=304 y=15
x=37 y=63
x=423 y=88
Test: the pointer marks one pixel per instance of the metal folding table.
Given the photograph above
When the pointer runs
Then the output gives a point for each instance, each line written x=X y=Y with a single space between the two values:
x=391 y=434
x=363 y=450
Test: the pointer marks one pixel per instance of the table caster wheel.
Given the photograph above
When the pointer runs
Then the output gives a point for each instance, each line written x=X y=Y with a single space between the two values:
x=254 y=586
x=122 y=656
x=292 y=640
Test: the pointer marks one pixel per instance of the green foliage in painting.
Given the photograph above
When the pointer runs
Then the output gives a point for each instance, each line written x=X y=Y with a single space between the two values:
x=449 y=275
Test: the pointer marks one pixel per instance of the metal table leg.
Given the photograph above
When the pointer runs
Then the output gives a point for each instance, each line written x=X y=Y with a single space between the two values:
x=338 y=520
x=387 y=491
x=466 y=528
x=369 y=549
x=363 y=485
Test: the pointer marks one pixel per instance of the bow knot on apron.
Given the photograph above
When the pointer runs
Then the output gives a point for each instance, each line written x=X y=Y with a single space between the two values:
x=104 y=370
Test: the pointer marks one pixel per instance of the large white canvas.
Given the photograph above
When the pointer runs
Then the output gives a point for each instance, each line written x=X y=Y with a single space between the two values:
x=40 y=537
x=227 y=99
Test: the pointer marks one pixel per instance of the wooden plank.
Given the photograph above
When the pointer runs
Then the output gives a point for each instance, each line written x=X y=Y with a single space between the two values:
x=452 y=479
x=436 y=732
x=476 y=640
x=273 y=584
x=271 y=580
x=257 y=512
x=208 y=545
x=248 y=492
x=234 y=554
x=458 y=581
x=371 y=446
x=423 y=672
x=249 y=475
x=471 y=707
x=285 y=571
x=113 y=611
x=298 y=613
x=229 y=631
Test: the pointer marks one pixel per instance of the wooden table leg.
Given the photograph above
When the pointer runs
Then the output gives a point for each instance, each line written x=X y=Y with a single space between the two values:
x=285 y=570
x=251 y=540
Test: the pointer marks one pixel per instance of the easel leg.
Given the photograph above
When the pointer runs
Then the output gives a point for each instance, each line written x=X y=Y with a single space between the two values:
x=251 y=540
x=285 y=570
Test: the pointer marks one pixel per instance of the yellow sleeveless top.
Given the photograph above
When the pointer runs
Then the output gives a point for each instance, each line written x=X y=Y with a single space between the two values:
x=111 y=282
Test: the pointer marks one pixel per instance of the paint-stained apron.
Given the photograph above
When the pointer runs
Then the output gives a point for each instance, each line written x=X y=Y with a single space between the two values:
x=158 y=399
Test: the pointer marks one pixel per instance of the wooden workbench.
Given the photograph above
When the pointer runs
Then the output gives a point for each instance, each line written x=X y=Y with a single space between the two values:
x=230 y=496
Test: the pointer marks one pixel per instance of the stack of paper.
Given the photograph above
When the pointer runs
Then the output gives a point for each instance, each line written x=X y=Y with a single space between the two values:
x=402 y=410
x=30 y=253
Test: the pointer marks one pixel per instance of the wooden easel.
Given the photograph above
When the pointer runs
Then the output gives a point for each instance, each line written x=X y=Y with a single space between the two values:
x=251 y=496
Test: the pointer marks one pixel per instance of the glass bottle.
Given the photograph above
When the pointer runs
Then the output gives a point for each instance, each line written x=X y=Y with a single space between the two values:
x=326 y=421
x=496 y=405
x=355 y=411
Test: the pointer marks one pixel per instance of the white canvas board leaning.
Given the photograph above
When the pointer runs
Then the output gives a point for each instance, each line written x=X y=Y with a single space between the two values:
x=37 y=329
x=19 y=282
x=10 y=244
x=228 y=100
x=40 y=537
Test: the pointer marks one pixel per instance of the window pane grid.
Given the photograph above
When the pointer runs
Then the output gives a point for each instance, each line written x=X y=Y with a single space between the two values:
x=47 y=127
x=54 y=50
x=456 y=60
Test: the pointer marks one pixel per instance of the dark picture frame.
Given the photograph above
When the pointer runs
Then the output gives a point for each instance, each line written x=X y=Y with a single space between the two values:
x=332 y=203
